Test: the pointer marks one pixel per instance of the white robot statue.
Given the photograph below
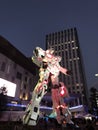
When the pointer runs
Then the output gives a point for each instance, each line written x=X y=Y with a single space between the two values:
x=48 y=72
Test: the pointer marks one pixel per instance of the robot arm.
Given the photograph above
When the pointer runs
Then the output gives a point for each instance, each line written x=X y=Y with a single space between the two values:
x=35 y=60
x=65 y=71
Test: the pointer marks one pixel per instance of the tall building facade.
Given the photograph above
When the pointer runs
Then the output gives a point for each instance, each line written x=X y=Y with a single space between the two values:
x=66 y=44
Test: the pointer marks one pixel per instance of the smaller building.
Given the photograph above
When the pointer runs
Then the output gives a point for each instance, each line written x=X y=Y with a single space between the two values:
x=16 y=69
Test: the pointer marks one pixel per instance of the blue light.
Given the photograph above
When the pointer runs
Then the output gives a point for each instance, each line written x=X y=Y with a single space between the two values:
x=16 y=105
x=80 y=106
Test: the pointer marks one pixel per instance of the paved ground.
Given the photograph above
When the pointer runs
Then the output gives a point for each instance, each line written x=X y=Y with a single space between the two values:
x=40 y=126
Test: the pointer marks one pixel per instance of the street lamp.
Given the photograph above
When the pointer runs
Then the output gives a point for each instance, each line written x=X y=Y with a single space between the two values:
x=96 y=75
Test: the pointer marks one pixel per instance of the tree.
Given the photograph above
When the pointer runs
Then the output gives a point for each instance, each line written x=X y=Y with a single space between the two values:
x=3 y=98
x=93 y=100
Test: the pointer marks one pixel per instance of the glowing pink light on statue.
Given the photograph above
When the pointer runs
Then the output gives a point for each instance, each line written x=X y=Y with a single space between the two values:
x=62 y=91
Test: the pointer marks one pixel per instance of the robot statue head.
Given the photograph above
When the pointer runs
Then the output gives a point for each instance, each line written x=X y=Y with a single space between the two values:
x=43 y=55
x=39 y=53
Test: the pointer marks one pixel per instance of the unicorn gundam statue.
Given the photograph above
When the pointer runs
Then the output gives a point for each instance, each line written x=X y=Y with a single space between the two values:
x=49 y=70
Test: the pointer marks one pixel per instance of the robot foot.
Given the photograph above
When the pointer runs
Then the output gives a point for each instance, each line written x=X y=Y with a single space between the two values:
x=32 y=122
x=26 y=117
x=28 y=120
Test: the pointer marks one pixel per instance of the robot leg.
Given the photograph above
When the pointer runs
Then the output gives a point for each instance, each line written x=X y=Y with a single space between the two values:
x=32 y=111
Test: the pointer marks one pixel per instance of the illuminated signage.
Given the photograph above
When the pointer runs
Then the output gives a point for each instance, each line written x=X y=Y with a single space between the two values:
x=10 y=87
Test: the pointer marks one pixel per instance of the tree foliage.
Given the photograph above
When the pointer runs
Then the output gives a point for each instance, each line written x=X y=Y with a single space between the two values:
x=93 y=100
x=3 y=98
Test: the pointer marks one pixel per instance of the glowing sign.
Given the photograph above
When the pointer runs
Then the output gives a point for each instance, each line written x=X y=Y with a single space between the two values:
x=10 y=87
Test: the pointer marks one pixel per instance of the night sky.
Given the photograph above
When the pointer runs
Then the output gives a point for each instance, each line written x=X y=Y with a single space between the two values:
x=25 y=23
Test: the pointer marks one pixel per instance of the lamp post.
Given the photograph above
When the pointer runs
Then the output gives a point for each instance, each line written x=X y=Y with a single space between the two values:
x=96 y=75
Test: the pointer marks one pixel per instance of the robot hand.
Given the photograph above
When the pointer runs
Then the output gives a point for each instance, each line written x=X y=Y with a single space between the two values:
x=69 y=72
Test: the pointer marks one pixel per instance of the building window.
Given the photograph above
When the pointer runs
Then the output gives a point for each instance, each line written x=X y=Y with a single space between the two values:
x=66 y=54
x=72 y=44
x=3 y=66
x=74 y=54
x=65 y=46
x=59 y=47
x=55 y=48
x=8 y=69
x=24 y=86
x=13 y=79
x=30 y=80
x=73 y=87
x=19 y=75
x=62 y=47
x=77 y=87
x=69 y=90
x=26 y=79
x=24 y=95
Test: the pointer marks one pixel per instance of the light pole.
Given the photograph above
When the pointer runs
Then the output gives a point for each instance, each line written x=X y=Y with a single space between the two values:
x=96 y=75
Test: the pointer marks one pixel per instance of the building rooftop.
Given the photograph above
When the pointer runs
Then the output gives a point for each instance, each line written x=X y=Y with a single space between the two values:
x=7 y=49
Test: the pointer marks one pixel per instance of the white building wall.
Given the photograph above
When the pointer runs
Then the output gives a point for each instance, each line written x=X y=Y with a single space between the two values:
x=9 y=70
